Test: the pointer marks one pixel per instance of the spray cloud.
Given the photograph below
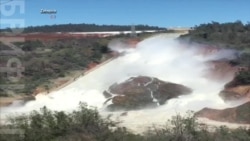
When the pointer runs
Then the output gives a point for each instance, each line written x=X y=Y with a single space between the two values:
x=160 y=56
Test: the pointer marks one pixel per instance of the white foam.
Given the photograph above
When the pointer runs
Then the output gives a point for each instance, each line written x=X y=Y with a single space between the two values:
x=159 y=56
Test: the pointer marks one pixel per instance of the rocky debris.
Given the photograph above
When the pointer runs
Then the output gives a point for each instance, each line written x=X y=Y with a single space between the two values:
x=106 y=94
x=236 y=93
x=142 y=92
x=237 y=89
x=239 y=114
x=124 y=114
x=28 y=98
x=227 y=70
x=6 y=101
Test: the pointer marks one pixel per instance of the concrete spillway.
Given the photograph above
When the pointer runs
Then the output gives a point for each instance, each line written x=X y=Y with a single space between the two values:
x=162 y=57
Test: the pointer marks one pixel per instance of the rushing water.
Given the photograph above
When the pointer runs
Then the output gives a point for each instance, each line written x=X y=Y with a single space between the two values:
x=159 y=56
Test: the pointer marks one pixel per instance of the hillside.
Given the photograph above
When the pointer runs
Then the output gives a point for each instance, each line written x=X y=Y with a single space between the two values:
x=238 y=114
x=51 y=62
x=234 y=36
x=47 y=60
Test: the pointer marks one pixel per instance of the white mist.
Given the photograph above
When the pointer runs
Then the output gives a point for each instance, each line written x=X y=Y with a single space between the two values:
x=159 y=56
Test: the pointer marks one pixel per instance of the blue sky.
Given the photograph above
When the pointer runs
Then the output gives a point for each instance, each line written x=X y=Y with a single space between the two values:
x=164 y=13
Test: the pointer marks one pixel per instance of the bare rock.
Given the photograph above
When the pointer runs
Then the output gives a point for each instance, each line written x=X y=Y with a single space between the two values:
x=143 y=92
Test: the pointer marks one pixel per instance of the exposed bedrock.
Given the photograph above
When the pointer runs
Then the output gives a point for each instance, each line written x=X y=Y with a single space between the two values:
x=142 y=92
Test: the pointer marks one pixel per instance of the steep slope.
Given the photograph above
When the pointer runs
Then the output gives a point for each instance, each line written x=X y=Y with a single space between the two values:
x=239 y=114
x=238 y=88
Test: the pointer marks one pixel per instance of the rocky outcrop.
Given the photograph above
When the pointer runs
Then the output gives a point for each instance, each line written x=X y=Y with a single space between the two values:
x=142 y=92
x=236 y=93
x=239 y=114
x=237 y=89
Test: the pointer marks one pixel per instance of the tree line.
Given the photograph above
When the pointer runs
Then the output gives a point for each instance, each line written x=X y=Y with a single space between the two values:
x=86 y=124
x=83 y=28
x=231 y=35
